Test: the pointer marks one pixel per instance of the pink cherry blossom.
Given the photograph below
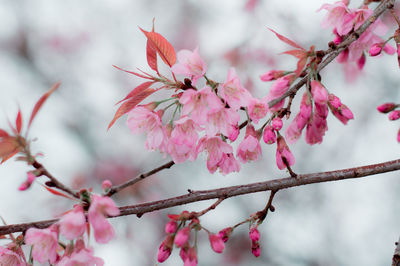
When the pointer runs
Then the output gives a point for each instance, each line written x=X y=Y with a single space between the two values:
x=73 y=223
x=82 y=257
x=217 y=244
x=233 y=92
x=9 y=257
x=191 y=257
x=283 y=152
x=255 y=249
x=28 y=182
x=386 y=107
x=277 y=123
x=100 y=208
x=143 y=120
x=339 y=110
x=249 y=149
x=170 y=227
x=190 y=64
x=182 y=236
x=254 y=234
x=225 y=233
x=280 y=86
x=339 y=16
x=165 y=249
x=272 y=75
x=317 y=127
x=394 y=115
x=45 y=243
x=319 y=93
x=269 y=135
x=215 y=147
x=257 y=109
x=228 y=164
x=198 y=103
x=221 y=120
x=293 y=132
x=106 y=185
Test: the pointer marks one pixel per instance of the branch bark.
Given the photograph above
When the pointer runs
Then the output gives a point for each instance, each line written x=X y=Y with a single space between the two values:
x=227 y=192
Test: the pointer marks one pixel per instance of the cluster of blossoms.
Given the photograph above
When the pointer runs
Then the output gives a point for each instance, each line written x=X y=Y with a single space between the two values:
x=179 y=230
x=345 y=20
x=393 y=113
x=72 y=226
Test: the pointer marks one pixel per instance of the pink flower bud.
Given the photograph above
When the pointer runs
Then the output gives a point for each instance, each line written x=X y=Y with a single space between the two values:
x=163 y=252
x=386 y=107
x=28 y=182
x=224 y=233
x=217 y=244
x=277 y=123
x=170 y=227
x=319 y=92
x=106 y=185
x=272 y=75
x=398 y=135
x=394 y=115
x=375 y=49
x=269 y=135
x=254 y=234
x=182 y=236
x=361 y=61
x=255 y=249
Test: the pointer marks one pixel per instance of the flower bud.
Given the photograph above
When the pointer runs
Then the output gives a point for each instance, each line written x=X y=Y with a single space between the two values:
x=182 y=236
x=386 y=107
x=254 y=234
x=375 y=49
x=170 y=227
x=224 y=233
x=255 y=249
x=217 y=244
x=394 y=115
x=269 y=135
x=277 y=123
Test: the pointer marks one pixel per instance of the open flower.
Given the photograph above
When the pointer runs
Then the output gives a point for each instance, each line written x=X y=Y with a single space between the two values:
x=45 y=243
x=73 y=223
x=190 y=64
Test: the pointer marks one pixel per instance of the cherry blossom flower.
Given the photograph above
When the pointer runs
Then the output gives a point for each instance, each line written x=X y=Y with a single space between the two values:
x=171 y=227
x=280 y=86
x=165 y=249
x=317 y=127
x=217 y=244
x=375 y=49
x=233 y=92
x=9 y=257
x=257 y=109
x=215 y=148
x=228 y=164
x=182 y=236
x=272 y=75
x=143 y=120
x=254 y=234
x=190 y=64
x=101 y=207
x=339 y=16
x=293 y=132
x=189 y=257
x=339 y=110
x=225 y=233
x=45 y=243
x=221 y=120
x=277 y=123
x=283 y=152
x=249 y=149
x=319 y=93
x=73 y=223
x=269 y=135
x=82 y=257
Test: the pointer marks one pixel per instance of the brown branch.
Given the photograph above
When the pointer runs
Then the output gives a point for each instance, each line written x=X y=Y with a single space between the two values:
x=212 y=207
x=54 y=181
x=138 y=178
x=333 y=53
x=262 y=214
x=227 y=192
x=396 y=255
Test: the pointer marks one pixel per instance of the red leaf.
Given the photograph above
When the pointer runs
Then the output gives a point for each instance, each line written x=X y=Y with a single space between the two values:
x=40 y=102
x=300 y=65
x=57 y=193
x=296 y=53
x=130 y=104
x=8 y=148
x=3 y=133
x=164 y=49
x=18 y=121
x=134 y=73
x=139 y=89
x=286 y=40
x=151 y=53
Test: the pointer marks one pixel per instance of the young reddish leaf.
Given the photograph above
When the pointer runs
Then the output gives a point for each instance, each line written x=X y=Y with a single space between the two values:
x=286 y=40
x=8 y=148
x=300 y=65
x=151 y=54
x=139 y=89
x=164 y=49
x=57 y=193
x=3 y=133
x=40 y=102
x=130 y=104
x=134 y=73
x=18 y=121
x=296 y=53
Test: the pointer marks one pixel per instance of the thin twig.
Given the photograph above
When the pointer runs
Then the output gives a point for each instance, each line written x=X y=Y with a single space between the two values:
x=333 y=53
x=262 y=214
x=212 y=207
x=228 y=192
x=138 y=178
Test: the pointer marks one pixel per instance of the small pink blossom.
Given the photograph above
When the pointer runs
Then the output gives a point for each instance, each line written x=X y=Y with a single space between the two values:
x=73 y=223
x=170 y=227
x=9 y=257
x=319 y=93
x=394 y=115
x=143 y=120
x=317 y=127
x=254 y=234
x=225 y=233
x=255 y=249
x=191 y=257
x=390 y=50
x=386 y=107
x=269 y=135
x=233 y=92
x=221 y=120
x=293 y=132
x=228 y=164
x=283 y=153
x=190 y=64
x=339 y=110
x=215 y=148
x=45 y=243
x=217 y=244
x=249 y=149
x=28 y=182
x=182 y=236
x=272 y=75
x=339 y=16
x=82 y=257
x=280 y=86
x=277 y=123
x=100 y=208
x=257 y=109
x=106 y=185
x=375 y=49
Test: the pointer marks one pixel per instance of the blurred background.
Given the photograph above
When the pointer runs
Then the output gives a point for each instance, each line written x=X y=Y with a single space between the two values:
x=353 y=222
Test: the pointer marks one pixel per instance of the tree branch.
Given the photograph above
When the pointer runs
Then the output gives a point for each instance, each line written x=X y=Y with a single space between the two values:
x=333 y=53
x=233 y=191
